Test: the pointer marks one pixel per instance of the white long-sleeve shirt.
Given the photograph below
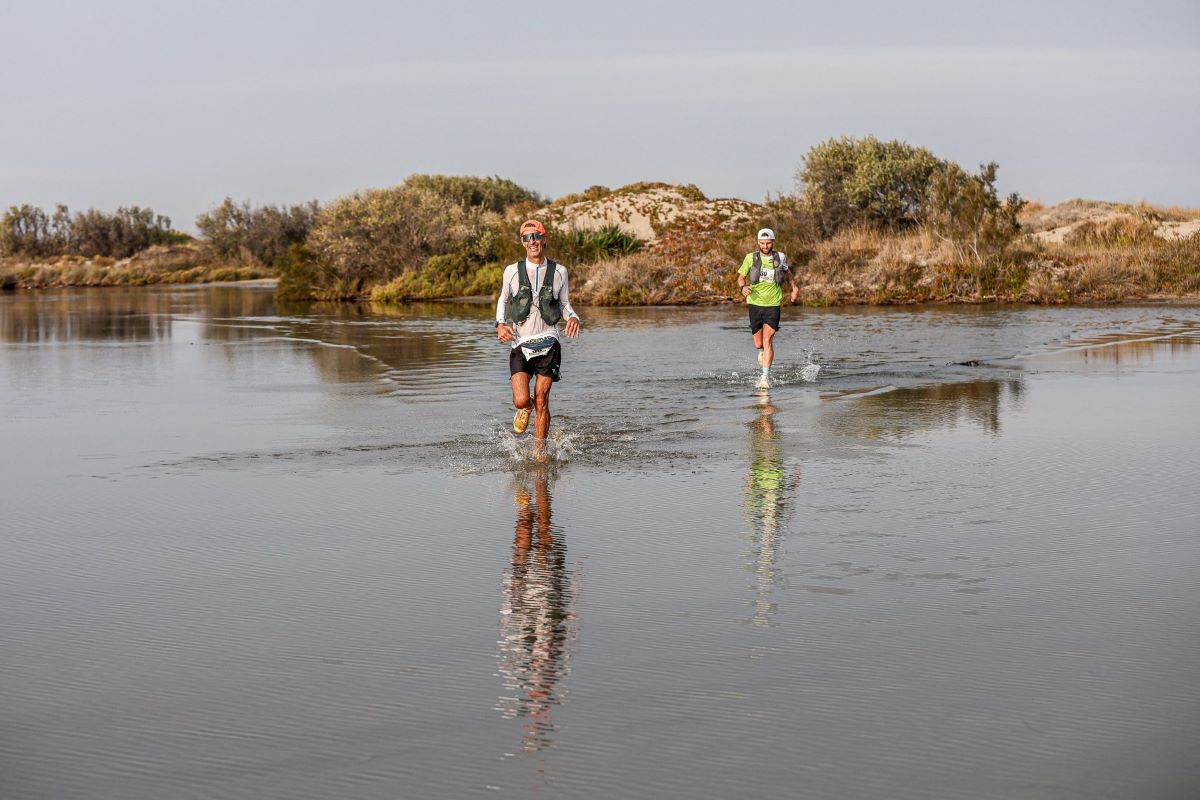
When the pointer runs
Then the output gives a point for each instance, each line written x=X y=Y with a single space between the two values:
x=534 y=326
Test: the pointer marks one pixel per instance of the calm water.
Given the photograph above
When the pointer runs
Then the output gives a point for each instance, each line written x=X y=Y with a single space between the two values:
x=253 y=552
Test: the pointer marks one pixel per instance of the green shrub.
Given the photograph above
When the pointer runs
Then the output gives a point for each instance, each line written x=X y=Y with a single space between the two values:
x=491 y=194
x=299 y=275
x=966 y=210
x=848 y=181
x=248 y=235
x=441 y=276
x=367 y=238
x=577 y=246
x=387 y=238
x=794 y=223
x=591 y=193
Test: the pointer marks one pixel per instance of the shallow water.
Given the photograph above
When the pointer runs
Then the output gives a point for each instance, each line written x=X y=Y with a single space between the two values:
x=259 y=552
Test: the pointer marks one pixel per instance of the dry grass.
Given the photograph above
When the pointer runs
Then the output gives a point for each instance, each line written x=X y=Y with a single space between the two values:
x=1092 y=219
x=1042 y=287
x=1175 y=266
x=633 y=280
x=1110 y=256
x=1103 y=270
x=861 y=266
x=1111 y=276
x=893 y=274
x=1057 y=216
x=1159 y=213
x=165 y=264
x=1032 y=209
x=1119 y=231
x=1111 y=253
x=846 y=255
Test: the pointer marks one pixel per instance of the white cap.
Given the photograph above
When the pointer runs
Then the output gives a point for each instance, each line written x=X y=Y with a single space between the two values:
x=766 y=233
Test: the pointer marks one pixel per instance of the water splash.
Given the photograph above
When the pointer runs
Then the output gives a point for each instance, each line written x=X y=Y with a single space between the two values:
x=563 y=444
x=514 y=448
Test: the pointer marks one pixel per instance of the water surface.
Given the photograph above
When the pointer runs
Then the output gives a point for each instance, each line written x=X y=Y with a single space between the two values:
x=264 y=552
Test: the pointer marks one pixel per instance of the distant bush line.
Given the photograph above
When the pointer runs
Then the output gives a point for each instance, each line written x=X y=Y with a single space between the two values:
x=29 y=231
x=869 y=221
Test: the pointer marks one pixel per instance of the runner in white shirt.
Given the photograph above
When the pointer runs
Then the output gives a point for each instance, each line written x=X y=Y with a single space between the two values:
x=528 y=314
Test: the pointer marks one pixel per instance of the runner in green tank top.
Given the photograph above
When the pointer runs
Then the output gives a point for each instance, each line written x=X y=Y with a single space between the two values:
x=761 y=278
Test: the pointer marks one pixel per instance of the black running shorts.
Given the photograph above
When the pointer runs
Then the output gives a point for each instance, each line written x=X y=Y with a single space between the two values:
x=546 y=364
x=763 y=315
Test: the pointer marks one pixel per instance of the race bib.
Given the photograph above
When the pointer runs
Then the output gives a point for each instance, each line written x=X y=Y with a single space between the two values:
x=538 y=347
x=766 y=275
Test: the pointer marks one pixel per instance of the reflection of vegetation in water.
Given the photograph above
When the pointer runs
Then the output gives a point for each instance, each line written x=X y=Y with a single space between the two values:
x=537 y=622
x=114 y=315
x=766 y=497
x=231 y=313
x=134 y=315
x=361 y=342
x=1129 y=348
x=919 y=409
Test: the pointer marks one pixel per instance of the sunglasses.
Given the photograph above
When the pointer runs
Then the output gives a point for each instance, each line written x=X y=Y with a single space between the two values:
x=532 y=237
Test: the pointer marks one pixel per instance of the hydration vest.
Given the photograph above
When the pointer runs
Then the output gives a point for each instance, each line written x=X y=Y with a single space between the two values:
x=756 y=267
x=547 y=303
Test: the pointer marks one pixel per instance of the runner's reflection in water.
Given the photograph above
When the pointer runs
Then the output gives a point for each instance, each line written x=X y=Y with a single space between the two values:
x=766 y=500
x=538 y=622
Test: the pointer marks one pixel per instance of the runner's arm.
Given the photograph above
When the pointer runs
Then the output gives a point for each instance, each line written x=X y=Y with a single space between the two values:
x=791 y=276
x=502 y=301
x=743 y=275
x=503 y=331
x=564 y=302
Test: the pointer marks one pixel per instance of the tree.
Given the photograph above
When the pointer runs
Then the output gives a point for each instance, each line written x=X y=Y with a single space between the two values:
x=118 y=235
x=24 y=231
x=234 y=232
x=851 y=181
x=492 y=194
x=224 y=228
x=966 y=210
x=370 y=237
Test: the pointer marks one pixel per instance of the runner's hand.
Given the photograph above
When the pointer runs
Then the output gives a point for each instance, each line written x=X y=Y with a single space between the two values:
x=745 y=291
x=795 y=295
x=572 y=327
x=503 y=333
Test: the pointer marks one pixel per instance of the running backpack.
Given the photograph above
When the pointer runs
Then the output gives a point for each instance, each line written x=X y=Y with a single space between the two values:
x=547 y=303
x=776 y=262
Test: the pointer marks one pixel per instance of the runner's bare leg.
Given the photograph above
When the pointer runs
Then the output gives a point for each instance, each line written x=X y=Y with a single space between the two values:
x=520 y=389
x=768 y=346
x=541 y=425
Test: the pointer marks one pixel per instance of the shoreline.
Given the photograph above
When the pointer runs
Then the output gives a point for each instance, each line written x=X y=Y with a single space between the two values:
x=1154 y=299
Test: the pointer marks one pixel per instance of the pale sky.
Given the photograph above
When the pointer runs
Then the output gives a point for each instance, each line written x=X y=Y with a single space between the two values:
x=177 y=105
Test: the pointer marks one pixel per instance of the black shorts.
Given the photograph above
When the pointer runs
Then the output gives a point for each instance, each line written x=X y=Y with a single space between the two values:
x=763 y=315
x=546 y=364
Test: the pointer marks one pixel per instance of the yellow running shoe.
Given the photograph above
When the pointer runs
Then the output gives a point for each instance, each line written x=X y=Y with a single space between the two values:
x=521 y=420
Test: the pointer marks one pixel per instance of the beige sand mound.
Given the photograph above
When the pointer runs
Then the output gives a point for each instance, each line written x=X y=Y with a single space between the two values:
x=645 y=210
x=1067 y=215
x=1056 y=223
x=1177 y=230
